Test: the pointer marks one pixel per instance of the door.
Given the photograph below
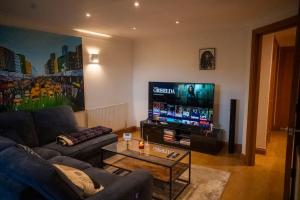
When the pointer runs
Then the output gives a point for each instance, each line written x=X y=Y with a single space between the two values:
x=283 y=87
x=293 y=123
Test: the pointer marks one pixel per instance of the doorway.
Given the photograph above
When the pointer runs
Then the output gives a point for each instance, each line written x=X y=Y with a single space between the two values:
x=255 y=73
x=276 y=69
x=276 y=72
x=254 y=86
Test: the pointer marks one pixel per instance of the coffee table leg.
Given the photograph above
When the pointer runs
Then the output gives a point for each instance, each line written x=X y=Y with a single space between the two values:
x=190 y=161
x=101 y=163
x=171 y=184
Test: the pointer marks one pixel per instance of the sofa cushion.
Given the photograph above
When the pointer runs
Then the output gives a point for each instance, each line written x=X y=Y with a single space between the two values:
x=11 y=134
x=6 y=142
x=13 y=190
x=52 y=122
x=86 y=149
x=34 y=172
x=19 y=126
x=46 y=153
x=71 y=162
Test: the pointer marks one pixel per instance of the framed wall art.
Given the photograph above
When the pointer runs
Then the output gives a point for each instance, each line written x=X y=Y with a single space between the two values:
x=39 y=70
x=207 y=59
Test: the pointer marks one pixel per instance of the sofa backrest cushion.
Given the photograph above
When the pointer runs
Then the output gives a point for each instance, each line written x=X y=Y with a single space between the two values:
x=34 y=172
x=10 y=189
x=11 y=134
x=6 y=142
x=19 y=126
x=52 y=122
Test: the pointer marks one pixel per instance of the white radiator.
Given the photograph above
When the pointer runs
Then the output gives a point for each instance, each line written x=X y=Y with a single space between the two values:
x=114 y=116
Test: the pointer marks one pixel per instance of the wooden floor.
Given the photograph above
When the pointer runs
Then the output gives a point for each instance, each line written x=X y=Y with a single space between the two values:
x=260 y=182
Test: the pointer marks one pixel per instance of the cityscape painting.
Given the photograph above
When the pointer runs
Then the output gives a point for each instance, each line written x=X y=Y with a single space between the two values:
x=39 y=70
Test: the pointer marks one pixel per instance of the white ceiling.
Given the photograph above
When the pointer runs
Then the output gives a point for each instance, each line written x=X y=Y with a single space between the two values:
x=152 y=18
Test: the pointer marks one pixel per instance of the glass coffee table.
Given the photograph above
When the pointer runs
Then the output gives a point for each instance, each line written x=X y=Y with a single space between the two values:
x=166 y=164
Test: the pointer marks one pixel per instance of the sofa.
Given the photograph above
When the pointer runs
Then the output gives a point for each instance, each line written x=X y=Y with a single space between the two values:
x=39 y=130
x=26 y=176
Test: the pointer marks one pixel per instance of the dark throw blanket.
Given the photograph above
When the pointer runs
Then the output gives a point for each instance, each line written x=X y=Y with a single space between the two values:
x=82 y=136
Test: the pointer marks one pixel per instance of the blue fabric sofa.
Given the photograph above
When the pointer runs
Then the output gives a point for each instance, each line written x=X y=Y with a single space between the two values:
x=39 y=130
x=24 y=176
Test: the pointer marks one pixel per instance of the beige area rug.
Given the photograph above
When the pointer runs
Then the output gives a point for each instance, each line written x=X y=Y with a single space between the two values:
x=206 y=184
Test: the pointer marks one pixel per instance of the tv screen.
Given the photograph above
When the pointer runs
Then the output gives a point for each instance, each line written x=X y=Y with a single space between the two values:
x=184 y=103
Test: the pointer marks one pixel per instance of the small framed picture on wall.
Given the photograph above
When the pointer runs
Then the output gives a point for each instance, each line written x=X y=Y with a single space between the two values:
x=207 y=59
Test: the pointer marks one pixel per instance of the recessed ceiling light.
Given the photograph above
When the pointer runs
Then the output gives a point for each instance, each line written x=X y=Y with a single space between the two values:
x=134 y=28
x=136 y=4
x=177 y=22
x=88 y=15
x=92 y=33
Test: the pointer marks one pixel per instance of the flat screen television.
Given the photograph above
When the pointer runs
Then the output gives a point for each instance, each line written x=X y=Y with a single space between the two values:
x=183 y=103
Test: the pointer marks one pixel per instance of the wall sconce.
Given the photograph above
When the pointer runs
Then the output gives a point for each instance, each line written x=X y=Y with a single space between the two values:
x=93 y=55
x=94 y=58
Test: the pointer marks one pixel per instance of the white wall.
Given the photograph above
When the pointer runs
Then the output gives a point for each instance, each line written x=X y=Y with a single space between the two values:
x=110 y=82
x=264 y=90
x=176 y=58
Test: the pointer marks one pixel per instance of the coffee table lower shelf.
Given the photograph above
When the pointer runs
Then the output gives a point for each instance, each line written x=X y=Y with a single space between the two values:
x=168 y=184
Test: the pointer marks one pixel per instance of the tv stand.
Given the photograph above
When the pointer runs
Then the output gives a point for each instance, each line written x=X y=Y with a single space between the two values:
x=178 y=135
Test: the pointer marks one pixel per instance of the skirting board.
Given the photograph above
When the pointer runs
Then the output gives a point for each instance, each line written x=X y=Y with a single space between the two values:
x=261 y=151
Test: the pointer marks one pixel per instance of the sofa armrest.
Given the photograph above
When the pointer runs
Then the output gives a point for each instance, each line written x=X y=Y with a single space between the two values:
x=135 y=186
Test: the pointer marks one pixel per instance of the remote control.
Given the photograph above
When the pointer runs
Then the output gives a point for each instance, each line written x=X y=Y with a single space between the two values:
x=175 y=155
x=170 y=155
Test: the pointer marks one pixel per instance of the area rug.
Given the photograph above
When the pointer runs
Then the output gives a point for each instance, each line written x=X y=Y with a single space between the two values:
x=206 y=184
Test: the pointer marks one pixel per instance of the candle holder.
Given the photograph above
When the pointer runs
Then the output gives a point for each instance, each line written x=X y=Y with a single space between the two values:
x=141 y=144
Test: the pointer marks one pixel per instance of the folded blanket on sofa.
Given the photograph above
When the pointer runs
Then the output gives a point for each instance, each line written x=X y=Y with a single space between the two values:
x=82 y=136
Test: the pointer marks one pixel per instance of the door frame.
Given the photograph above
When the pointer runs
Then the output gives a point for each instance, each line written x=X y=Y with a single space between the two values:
x=273 y=88
x=289 y=179
x=254 y=81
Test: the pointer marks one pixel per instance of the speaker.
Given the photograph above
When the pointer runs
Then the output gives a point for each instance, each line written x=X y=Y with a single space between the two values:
x=232 y=120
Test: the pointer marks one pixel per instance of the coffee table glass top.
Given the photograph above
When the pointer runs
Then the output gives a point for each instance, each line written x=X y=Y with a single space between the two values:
x=152 y=152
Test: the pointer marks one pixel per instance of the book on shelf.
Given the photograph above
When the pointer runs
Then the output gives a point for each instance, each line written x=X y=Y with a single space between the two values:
x=169 y=135
x=169 y=132
x=185 y=141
